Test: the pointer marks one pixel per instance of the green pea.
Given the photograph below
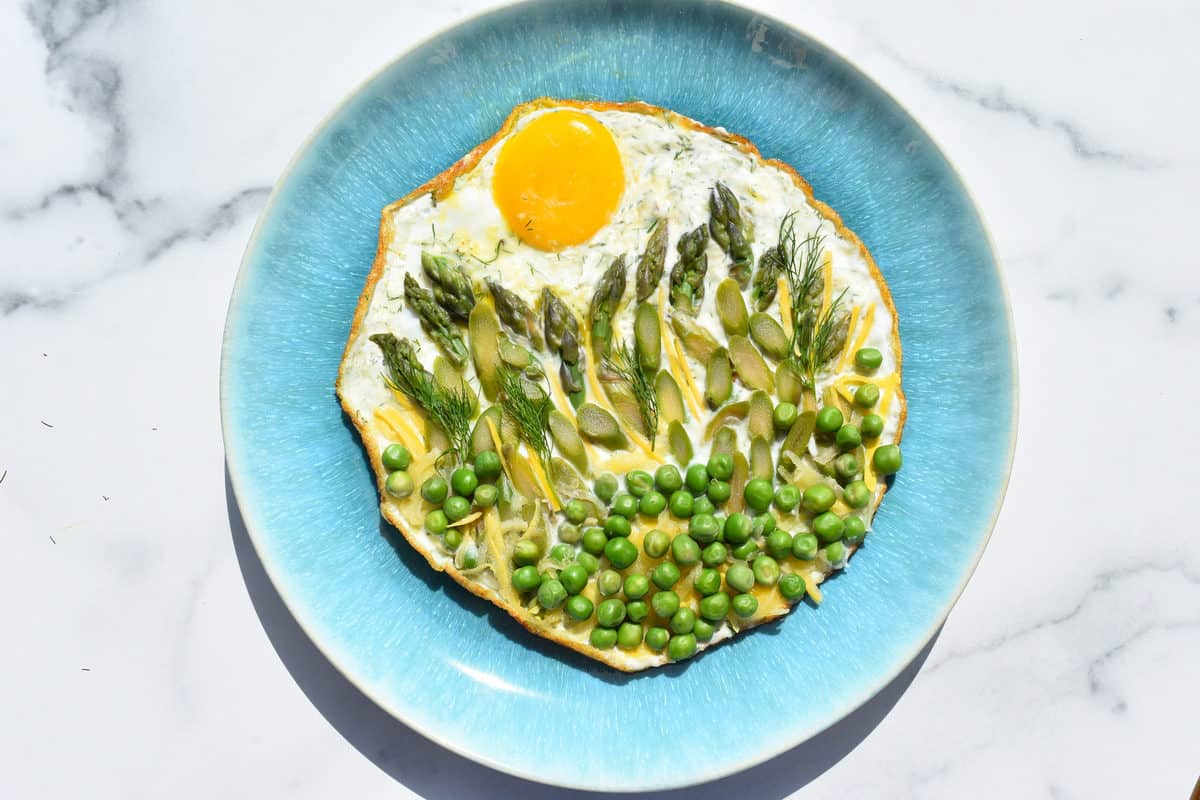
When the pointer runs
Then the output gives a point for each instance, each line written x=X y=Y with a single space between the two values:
x=452 y=538
x=652 y=503
x=616 y=527
x=779 y=544
x=436 y=522
x=738 y=528
x=868 y=358
x=456 y=508
x=656 y=543
x=708 y=582
x=683 y=621
x=848 y=437
x=766 y=571
x=888 y=459
x=637 y=610
x=396 y=457
x=684 y=550
x=856 y=494
x=720 y=466
x=703 y=630
x=668 y=479
x=579 y=607
x=714 y=555
x=656 y=638
x=719 y=491
x=603 y=638
x=665 y=575
x=846 y=466
x=636 y=586
x=625 y=505
x=763 y=525
x=665 y=604
x=866 y=396
x=563 y=554
x=399 y=484
x=629 y=635
x=576 y=511
x=463 y=481
x=487 y=495
x=744 y=550
x=744 y=605
x=638 y=482
x=609 y=582
x=551 y=594
x=835 y=553
x=714 y=607
x=784 y=416
x=702 y=505
x=526 y=551
x=611 y=612
x=435 y=489
x=818 y=498
x=573 y=578
x=871 y=426
x=681 y=503
x=854 y=531
x=804 y=546
x=681 y=647
x=526 y=579
x=703 y=528
x=594 y=540
x=620 y=552
x=792 y=587
x=828 y=527
x=588 y=562
x=740 y=577
x=829 y=419
x=787 y=497
x=758 y=494
x=571 y=534
x=696 y=478
x=606 y=487
x=487 y=465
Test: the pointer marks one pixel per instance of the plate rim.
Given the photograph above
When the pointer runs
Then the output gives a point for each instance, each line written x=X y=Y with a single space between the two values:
x=329 y=651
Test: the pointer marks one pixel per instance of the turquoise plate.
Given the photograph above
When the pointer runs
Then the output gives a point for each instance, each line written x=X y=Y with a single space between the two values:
x=455 y=668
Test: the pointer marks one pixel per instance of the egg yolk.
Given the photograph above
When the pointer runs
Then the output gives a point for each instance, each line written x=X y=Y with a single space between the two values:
x=558 y=179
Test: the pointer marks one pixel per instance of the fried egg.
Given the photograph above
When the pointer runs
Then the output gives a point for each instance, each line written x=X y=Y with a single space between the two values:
x=561 y=191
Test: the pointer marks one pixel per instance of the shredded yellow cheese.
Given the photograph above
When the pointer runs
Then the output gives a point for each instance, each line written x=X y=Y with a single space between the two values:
x=785 y=303
x=810 y=586
x=867 y=321
x=495 y=543
x=496 y=443
x=828 y=268
x=847 y=348
x=395 y=422
x=683 y=376
x=625 y=461
x=539 y=475
x=467 y=520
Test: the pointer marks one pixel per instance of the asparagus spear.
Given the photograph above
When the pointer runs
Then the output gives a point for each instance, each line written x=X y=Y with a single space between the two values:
x=435 y=320
x=766 y=279
x=687 y=276
x=451 y=286
x=515 y=313
x=562 y=337
x=605 y=301
x=650 y=266
x=725 y=224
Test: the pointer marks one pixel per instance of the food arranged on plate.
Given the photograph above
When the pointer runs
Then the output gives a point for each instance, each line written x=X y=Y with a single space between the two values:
x=626 y=379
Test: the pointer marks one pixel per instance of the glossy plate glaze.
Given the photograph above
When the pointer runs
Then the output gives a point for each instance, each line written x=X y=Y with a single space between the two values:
x=460 y=670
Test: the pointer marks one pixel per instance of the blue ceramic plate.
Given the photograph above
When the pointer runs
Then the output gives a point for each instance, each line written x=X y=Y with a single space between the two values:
x=461 y=671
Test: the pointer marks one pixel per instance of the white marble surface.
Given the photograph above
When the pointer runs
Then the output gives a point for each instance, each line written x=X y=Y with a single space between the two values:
x=138 y=141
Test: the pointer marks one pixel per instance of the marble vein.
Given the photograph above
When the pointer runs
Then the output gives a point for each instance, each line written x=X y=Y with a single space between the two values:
x=996 y=99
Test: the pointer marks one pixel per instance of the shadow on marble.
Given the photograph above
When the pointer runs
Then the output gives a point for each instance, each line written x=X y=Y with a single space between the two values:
x=436 y=773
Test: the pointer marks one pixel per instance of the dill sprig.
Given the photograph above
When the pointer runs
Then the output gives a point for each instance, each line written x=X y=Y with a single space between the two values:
x=623 y=363
x=450 y=409
x=529 y=412
x=817 y=336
